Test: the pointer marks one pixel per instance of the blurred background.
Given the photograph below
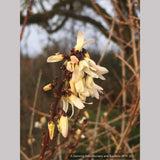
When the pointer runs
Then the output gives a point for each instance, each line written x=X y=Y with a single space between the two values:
x=52 y=26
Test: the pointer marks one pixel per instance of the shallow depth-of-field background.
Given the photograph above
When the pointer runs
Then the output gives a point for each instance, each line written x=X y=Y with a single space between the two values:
x=114 y=123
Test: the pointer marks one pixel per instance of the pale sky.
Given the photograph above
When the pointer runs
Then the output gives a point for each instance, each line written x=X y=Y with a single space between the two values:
x=35 y=38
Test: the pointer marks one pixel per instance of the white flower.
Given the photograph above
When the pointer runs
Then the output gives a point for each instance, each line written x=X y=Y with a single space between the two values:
x=77 y=74
x=55 y=58
x=80 y=41
x=73 y=100
x=93 y=88
x=79 y=84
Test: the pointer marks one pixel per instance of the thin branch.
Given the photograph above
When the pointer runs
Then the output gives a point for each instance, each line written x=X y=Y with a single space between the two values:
x=95 y=128
x=59 y=148
x=34 y=105
x=125 y=62
x=24 y=155
x=26 y=18
x=109 y=39
x=35 y=110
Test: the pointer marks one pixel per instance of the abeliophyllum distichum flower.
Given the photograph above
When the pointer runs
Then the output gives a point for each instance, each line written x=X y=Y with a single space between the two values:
x=79 y=84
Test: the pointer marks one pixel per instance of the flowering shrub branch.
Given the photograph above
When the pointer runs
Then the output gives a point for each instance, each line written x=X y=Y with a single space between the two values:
x=79 y=71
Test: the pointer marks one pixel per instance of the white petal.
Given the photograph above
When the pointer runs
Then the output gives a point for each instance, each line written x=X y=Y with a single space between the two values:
x=65 y=104
x=72 y=111
x=83 y=64
x=76 y=101
x=55 y=58
x=79 y=86
x=87 y=41
x=96 y=94
x=100 y=89
x=91 y=63
x=101 y=76
x=77 y=74
x=80 y=41
x=90 y=73
x=70 y=66
x=72 y=85
x=89 y=82
x=102 y=70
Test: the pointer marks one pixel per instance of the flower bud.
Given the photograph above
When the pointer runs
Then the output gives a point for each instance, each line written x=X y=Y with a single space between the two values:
x=43 y=120
x=55 y=58
x=37 y=124
x=62 y=125
x=86 y=114
x=77 y=133
x=31 y=140
x=51 y=127
x=48 y=87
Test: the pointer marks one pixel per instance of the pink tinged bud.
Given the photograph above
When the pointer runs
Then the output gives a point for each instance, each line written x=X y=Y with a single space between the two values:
x=74 y=59
x=55 y=58
x=51 y=127
x=63 y=125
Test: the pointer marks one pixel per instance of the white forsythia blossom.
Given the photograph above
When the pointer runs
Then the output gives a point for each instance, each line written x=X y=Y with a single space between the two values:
x=83 y=70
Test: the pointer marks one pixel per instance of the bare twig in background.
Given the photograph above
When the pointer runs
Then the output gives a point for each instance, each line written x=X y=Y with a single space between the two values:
x=109 y=39
x=130 y=124
x=24 y=155
x=125 y=62
x=33 y=112
x=59 y=149
x=133 y=44
x=26 y=18
x=95 y=128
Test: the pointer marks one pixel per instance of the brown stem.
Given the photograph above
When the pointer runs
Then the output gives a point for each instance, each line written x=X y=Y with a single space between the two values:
x=79 y=136
x=53 y=106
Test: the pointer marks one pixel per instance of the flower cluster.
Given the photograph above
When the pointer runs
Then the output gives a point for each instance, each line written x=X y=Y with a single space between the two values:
x=81 y=71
